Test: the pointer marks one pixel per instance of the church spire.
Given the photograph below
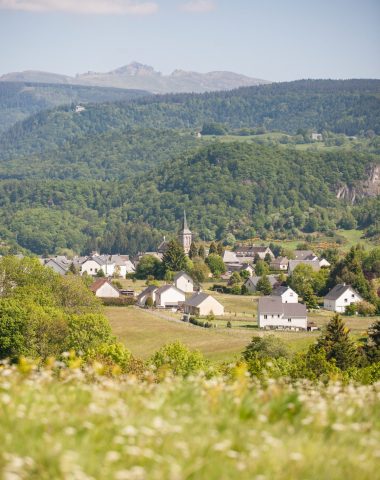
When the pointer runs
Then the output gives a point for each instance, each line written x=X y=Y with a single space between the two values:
x=184 y=224
x=184 y=235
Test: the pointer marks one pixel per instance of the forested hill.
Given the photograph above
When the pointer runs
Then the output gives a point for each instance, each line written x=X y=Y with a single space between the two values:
x=258 y=189
x=350 y=107
x=18 y=100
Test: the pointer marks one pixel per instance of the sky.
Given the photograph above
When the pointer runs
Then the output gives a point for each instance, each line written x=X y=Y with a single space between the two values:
x=277 y=40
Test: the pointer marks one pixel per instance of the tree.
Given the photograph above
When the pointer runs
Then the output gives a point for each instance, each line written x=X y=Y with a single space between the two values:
x=200 y=271
x=337 y=344
x=264 y=286
x=148 y=265
x=261 y=268
x=266 y=348
x=100 y=273
x=220 y=249
x=372 y=347
x=202 y=252
x=309 y=299
x=174 y=258
x=179 y=359
x=234 y=279
x=213 y=248
x=268 y=258
x=301 y=278
x=88 y=331
x=215 y=264
x=193 y=252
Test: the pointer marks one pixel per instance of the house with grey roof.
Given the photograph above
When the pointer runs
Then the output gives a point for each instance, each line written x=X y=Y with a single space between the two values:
x=169 y=296
x=184 y=282
x=251 y=251
x=279 y=263
x=202 y=304
x=340 y=297
x=304 y=255
x=149 y=292
x=314 y=264
x=286 y=294
x=59 y=264
x=252 y=282
x=273 y=314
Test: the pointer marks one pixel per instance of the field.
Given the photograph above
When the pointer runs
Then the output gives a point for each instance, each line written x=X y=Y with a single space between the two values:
x=96 y=428
x=145 y=331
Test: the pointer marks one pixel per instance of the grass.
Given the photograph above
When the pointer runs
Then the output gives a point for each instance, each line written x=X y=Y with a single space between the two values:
x=194 y=429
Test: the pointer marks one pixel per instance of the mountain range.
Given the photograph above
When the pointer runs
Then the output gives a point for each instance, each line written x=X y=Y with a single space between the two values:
x=143 y=77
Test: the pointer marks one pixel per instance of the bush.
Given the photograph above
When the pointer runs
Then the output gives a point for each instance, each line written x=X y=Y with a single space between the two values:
x=115 y=357
x=88 y=332
x=267 y=347
x=119 y=302
x=179 y=359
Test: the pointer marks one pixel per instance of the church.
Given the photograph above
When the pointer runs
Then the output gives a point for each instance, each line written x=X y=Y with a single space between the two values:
x=184 y=238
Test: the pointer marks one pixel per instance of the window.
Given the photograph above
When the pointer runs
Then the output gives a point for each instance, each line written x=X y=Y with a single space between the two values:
x=353 y=296
x=289 y=320
x=346 y=300
x=265 y=316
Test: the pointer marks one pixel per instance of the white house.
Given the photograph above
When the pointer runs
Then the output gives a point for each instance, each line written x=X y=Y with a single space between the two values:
x=251 y=251
x=201 y=304
x=104 y=289
x=286 y=294
x=184 y=282
x=92 y=265
x=323 y=263
x=272 y=313
x=169 y=296
x=251 y=282
x=340 y=297
x=149 y=292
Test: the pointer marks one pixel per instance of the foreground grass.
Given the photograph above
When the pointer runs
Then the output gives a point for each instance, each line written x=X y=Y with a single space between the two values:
x=199 y=429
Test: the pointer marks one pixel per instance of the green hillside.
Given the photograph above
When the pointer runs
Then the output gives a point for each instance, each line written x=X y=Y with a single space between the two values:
x=118 y=175
x=18 y=100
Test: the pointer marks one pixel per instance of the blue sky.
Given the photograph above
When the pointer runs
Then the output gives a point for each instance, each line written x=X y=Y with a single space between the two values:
x=271 y=39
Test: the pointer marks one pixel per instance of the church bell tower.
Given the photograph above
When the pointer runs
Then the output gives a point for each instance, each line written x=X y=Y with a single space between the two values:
x=184 y=235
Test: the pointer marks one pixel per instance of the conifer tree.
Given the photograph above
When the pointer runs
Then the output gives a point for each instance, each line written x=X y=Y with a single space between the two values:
x=193 y=252
x=202 y=252
x=220 y=249
x=213 y=248
x=337 y=343
x=264 y=286
x=174 y=258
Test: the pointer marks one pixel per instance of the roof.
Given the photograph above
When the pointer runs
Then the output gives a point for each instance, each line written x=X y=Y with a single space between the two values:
x=198 y=298
x=168 y=287
x=280 y=261
x=339 y=290
x=185 y=227
x=313 y=263
x=244 y=248
x=254 y=280
x=304 y=255
x=183 y=274
x=273 y=306
x=229 y=257
x=147 y=291
x=280 y=291
x=99 y=283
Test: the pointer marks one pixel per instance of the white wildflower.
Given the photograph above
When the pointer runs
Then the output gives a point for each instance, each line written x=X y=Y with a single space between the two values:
x=296 y=456
x=112 y=456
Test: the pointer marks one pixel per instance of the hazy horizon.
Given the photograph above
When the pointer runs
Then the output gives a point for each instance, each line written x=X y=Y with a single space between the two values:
x=278 y=41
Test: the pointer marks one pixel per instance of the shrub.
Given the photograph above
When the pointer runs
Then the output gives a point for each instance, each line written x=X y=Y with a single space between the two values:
x=119 y=301
x=111 y=355
x=266 y=347
x=87 y=332
x=179 y=359
x=365 y=308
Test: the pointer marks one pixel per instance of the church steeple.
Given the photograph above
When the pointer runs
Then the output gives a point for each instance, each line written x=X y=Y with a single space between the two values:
x=184 y=235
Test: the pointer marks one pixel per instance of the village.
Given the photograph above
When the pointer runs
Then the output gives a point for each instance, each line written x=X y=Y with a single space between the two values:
x=276 y=305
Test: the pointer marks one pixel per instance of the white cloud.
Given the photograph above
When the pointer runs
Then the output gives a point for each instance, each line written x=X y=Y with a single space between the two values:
x=97 y=7
x=199 y=6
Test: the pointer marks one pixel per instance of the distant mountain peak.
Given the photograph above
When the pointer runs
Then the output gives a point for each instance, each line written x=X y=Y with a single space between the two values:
x=136 y=75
